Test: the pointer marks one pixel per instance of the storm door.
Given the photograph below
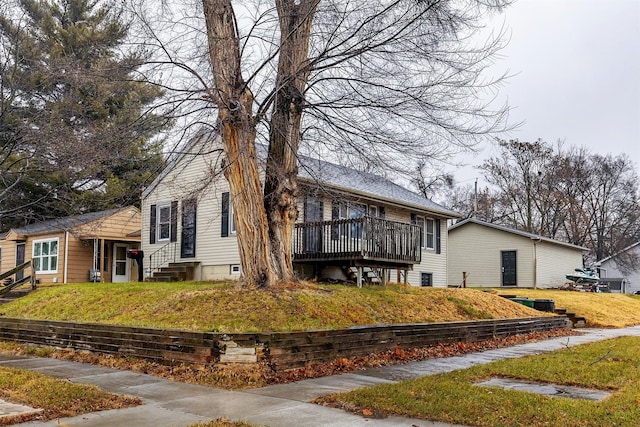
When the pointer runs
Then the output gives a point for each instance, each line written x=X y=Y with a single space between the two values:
x=20 y=255
x=509 y=271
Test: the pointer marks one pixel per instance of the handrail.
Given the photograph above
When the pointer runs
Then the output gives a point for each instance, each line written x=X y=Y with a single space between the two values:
x=166 y=253
x=5 y=288
x=15 y=270
x=365 y=238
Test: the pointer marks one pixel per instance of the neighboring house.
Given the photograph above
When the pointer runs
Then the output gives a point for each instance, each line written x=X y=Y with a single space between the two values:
x=74 y=249
x=616 y=275
x=492 y=255
x=348 y=221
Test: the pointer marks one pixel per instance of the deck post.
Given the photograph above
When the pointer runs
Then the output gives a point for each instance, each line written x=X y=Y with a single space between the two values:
x=384 y=277
x=359 y=277
x=406 y=273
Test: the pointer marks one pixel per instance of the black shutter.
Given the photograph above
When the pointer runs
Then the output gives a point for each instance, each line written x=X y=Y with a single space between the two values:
x=414 y=219
x=381 y=212
x=438 y=250
x=152 y=225
x=174 y=221
x=335 y=214
x=225 y=215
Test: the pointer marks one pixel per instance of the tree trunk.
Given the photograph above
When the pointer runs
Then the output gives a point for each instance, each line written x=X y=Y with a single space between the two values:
x=238 y=132
x=281 y=187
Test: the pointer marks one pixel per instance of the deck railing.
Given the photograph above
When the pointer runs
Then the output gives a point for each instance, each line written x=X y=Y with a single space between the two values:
x=367 y=238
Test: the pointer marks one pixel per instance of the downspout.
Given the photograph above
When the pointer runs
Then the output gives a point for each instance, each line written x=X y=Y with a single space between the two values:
x=66 y=256
x=535 y=262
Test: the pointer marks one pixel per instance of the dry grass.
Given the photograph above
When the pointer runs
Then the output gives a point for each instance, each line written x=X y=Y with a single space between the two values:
x=56 y=398
x=601 y=310
x=223 y=307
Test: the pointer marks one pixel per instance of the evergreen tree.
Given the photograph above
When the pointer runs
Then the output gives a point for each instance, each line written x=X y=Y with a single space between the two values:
x=73 y=136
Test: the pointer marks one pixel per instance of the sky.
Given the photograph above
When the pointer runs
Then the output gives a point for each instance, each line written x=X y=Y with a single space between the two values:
x=575 y=76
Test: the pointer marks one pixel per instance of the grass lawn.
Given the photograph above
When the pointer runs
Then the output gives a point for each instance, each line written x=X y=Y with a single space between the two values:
x=223 y=307
x=57 y=398
x=601 y=310
x=609 y=365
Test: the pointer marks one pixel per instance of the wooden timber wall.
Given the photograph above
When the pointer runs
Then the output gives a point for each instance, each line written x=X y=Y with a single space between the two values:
x=282 y=350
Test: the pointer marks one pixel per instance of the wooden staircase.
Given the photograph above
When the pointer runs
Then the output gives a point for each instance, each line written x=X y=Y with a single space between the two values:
x=174 y=272
x=369 y=275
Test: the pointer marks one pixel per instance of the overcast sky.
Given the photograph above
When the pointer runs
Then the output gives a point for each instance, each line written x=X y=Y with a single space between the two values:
x=576 y=75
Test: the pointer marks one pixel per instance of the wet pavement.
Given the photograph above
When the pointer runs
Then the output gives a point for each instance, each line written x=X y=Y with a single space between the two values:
x=172 y=404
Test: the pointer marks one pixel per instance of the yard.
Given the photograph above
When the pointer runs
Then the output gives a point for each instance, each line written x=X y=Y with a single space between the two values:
x=457 y=398
x=223 y=307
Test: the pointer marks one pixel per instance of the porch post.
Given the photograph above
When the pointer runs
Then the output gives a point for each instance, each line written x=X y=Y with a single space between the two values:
x=406 y=273
x=359 y=277
x=101 y=260
x=384 y=277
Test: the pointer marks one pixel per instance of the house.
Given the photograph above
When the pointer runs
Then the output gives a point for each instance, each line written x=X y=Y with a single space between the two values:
x=349 y=222
x=75 y=249
x=619 y=276
x=492 y=255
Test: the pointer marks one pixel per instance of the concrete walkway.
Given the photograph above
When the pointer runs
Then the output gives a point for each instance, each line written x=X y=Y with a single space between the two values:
x=174 y=404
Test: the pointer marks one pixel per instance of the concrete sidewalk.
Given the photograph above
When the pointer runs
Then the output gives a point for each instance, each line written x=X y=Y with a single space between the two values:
x=174 y=404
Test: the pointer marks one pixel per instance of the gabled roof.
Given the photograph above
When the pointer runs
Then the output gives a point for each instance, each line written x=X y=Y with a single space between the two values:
x=514 y=231
x=336 y=177
x=618 y=253
x=366 y=184
x=63 y=224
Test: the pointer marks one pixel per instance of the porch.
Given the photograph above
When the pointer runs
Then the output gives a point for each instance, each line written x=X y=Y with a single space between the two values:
x=366 y=241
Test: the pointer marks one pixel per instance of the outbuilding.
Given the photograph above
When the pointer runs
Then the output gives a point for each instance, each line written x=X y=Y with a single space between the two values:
x=490 y=255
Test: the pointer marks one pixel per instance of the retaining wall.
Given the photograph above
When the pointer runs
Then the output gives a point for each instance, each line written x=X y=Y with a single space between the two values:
x=282 y=350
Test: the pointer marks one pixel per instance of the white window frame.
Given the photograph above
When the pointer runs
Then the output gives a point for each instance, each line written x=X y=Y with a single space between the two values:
x=159 y=223
x=428 y=227
x=37 y=260
x=236 y=269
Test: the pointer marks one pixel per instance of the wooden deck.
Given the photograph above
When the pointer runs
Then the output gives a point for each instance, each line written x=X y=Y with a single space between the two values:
x=359 y=241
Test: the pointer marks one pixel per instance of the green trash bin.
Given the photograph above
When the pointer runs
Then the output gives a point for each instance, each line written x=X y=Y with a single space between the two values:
x=524 y=301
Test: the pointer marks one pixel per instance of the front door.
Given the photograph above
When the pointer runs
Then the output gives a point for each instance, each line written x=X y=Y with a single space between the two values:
x=120 y=270
x=20 y=255
x=509 y=271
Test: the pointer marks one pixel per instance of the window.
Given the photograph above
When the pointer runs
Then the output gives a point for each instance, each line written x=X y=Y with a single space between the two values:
x=427 y=225
x=347 y=211
x=228 y=225
x=45 y=256
x=429 y=233
x=426 y=279
x=357 y=211
x=164 y=222
x=232 y=222
x=235 y=269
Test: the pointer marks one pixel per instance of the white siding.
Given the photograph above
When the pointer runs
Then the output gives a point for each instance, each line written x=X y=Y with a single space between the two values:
x=476 y=250
x=190 y=178
x=609 y=268
x=554 y=262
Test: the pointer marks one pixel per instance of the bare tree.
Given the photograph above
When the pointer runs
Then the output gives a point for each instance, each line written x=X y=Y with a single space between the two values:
x=568 y=194
x=389 y=83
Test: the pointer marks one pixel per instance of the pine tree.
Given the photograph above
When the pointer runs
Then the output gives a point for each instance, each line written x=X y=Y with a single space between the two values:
x=73 y=136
